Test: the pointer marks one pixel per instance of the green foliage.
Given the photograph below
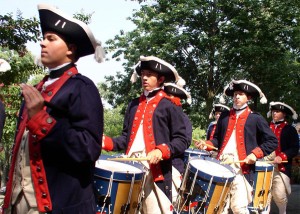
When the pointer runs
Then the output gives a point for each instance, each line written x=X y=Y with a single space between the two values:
x=113 y=122
x=86 y=18
x=15 y=33
x=36 y=79
x=12 y=101
x=21 y=67
x=211 y=43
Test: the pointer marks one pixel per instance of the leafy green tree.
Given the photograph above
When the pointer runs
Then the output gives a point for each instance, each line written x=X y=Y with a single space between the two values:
x=211 y=42
x=12 y=100
x=16 y=32
x=21 y=67
x=113 y=122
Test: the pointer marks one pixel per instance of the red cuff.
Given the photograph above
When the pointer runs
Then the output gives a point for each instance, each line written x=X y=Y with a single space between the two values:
x=107 y=143
x=41 y=124
x=258 y=153
x=283 y=156
x=209 y=148
x=164 y=148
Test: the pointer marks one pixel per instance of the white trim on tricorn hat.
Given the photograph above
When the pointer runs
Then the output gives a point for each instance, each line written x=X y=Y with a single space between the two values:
x=218 y=107
x=4 y=65
x=248 y=87
x=282 y=107
x=75 y=31
x=177 y=91
x=157 y=65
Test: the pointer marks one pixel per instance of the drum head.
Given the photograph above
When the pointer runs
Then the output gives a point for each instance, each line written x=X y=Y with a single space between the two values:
x=120 y=171
x=210 y=167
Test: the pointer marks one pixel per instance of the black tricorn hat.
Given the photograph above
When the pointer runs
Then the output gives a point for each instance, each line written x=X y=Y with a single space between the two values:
x=157 y=65
x=282 y=107
x=248 y=87
x=218 y=108
x=75 y=31
x=177 y=91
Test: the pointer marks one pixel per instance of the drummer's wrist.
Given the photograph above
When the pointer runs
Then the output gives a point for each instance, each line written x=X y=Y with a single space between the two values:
x=210 y=147
x=165 y=150
x=258 y=153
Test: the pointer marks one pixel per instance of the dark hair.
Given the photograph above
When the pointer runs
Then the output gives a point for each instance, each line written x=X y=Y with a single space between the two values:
x=69 y=42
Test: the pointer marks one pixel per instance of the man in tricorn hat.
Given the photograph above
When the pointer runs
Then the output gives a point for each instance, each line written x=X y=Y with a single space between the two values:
x=60 y=126
x=153 y=128
x=288 y=146
x=177 y=92
x=215 y=113
x=242 y=135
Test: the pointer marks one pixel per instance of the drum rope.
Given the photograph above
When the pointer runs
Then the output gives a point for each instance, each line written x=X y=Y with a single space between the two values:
x=141 y=195
x=108 y=193
x=193 y=185
x=264 y=184
x=182 y=188
x=221 y=196
x=206 y=193
x=130 y=193
x=269 y=198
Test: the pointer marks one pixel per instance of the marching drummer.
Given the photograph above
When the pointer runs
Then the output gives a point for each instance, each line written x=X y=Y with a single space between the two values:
x=242 y=137
x=288 y=146
x=178 y=93
x=215 y=113
x=154 y=128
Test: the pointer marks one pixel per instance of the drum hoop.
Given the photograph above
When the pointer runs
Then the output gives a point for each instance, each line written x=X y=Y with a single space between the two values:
x=268 y=167
x=196 y=152
x=119 y=176
x=207 y=176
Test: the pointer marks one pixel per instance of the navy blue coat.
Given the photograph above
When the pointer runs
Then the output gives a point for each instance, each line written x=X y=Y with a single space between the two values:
x=169 y=128
x=210 y=129
x=289 y=144
x=257 y=133
x=178 y=161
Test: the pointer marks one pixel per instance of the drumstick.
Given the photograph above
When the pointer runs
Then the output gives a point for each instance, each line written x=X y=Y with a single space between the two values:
x=210 y=146
x=130 y=159
x=231 y=162
x=243 y=161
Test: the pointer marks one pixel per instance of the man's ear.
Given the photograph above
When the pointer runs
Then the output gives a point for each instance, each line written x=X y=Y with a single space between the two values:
x=161 y=79
x=72 y=49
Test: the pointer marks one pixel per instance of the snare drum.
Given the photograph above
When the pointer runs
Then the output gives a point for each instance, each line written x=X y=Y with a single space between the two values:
x=194 y=153
x=205 y=186
x=262 y=186
x=118 y=186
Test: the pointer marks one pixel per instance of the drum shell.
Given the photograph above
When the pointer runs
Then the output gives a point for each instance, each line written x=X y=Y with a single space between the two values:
x=262 y=184
x=209 y=191
x=118 y=185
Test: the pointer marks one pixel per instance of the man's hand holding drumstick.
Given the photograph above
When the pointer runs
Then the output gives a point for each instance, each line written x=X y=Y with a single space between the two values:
x=201 y=144
x=154 y=156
